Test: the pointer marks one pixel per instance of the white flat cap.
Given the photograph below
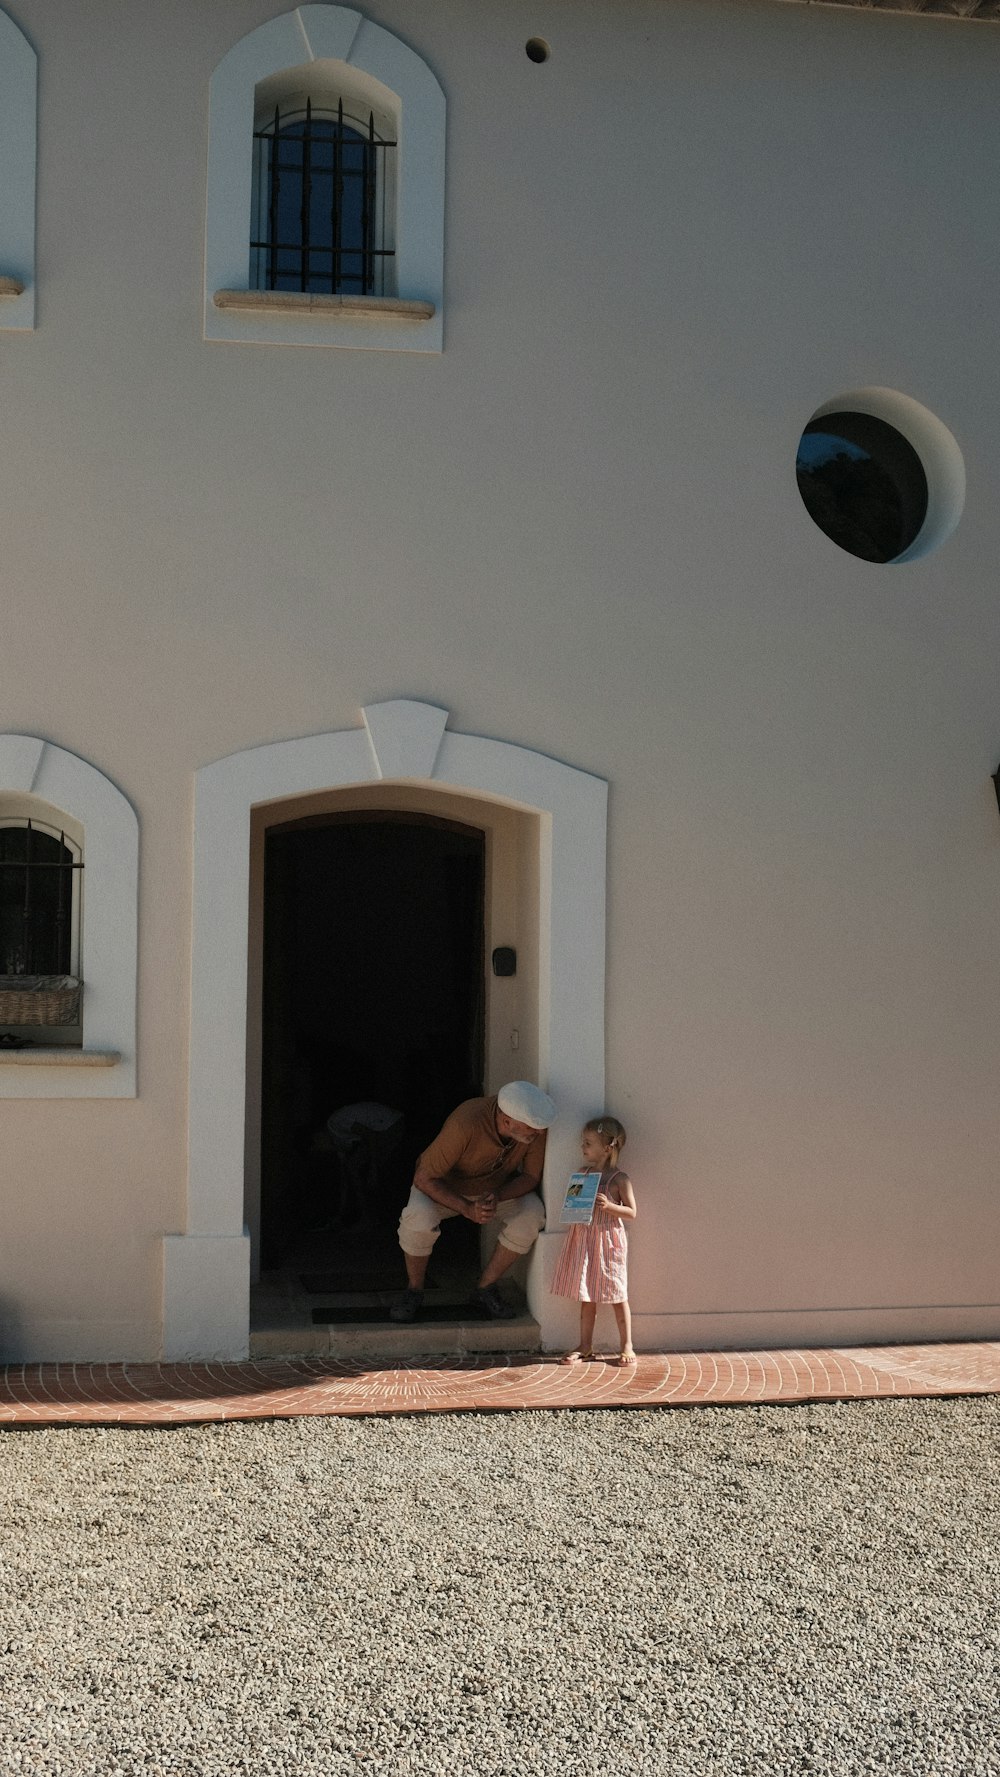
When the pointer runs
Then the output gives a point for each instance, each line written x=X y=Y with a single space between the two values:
x=527 y=1104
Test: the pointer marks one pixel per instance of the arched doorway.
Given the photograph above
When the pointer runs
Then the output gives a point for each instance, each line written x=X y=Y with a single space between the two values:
x=403 y=747
x=372 y=1030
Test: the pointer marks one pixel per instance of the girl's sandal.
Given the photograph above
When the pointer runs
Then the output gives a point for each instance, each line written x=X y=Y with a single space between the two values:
x=626 y=1360
x=577 y=1357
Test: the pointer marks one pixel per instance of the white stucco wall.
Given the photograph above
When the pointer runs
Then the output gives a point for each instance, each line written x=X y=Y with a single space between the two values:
x=577 y=530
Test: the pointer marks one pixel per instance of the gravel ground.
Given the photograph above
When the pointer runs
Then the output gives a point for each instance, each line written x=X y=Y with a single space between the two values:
x=772 y=1590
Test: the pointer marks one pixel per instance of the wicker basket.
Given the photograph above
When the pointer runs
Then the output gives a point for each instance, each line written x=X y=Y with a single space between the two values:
x=40 y=999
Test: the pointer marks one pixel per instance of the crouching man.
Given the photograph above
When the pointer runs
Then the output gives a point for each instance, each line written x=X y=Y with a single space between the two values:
x=486 y=1165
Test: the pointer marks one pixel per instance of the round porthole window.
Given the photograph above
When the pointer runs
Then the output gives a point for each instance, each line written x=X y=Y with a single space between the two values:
x=863 y=483
x=880 y=476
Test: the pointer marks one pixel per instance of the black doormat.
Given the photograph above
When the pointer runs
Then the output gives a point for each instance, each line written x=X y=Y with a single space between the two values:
x=356 y=1281
x=445 y=1314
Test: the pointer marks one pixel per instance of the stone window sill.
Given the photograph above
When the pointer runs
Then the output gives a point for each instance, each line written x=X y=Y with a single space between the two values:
x=336 y=308
x=66 y=1057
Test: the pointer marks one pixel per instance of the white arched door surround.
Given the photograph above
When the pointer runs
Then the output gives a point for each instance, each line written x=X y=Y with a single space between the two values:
x=207 y=1268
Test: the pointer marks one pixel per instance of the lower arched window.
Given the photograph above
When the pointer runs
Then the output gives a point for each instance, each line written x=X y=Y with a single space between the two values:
x=322 y=200
x=69 y=886
x=41 y=900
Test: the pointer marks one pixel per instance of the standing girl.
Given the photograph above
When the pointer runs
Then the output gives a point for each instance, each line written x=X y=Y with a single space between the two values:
x=593 y=1263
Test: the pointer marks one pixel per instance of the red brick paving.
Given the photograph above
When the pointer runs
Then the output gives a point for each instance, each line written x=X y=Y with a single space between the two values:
x=173 y=1394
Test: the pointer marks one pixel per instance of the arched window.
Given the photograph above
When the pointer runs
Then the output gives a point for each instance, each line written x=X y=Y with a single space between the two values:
x=18 y=102
x=39 y=899
x=69 y=876
x=41 y=884
x=322 y=202
x=325 y=215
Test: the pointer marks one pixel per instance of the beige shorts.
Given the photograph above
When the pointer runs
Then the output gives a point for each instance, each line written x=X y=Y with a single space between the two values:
x=521 y=1221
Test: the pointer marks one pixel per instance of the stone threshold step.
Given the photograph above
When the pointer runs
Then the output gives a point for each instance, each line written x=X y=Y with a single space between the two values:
x=390 y=1342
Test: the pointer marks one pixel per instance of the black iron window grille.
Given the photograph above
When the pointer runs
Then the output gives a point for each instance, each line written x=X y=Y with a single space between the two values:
x=320 y=204
x=36 y=901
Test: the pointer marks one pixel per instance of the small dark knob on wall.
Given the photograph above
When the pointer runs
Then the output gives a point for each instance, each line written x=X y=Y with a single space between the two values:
x=504 y=960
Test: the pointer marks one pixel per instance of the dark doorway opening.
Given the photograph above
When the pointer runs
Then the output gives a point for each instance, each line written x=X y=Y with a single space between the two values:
x=373 y=1030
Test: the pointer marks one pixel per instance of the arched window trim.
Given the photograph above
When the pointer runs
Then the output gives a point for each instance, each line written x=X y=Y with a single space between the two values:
x=93 y=812
x=18 y=131
x=375 y=68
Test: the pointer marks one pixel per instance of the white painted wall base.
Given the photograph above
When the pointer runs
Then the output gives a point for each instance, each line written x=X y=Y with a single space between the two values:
x=806 y=1329
x=76 y=1339
x=206 y=1296
x=558 y=1318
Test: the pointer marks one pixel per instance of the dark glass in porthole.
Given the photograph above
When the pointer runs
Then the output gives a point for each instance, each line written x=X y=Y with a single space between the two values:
x=863 y=484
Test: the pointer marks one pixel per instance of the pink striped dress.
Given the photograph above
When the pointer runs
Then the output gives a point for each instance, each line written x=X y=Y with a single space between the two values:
x=593 y=1264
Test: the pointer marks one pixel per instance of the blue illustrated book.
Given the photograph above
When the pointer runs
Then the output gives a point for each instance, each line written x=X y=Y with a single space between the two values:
x=578 y=1204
